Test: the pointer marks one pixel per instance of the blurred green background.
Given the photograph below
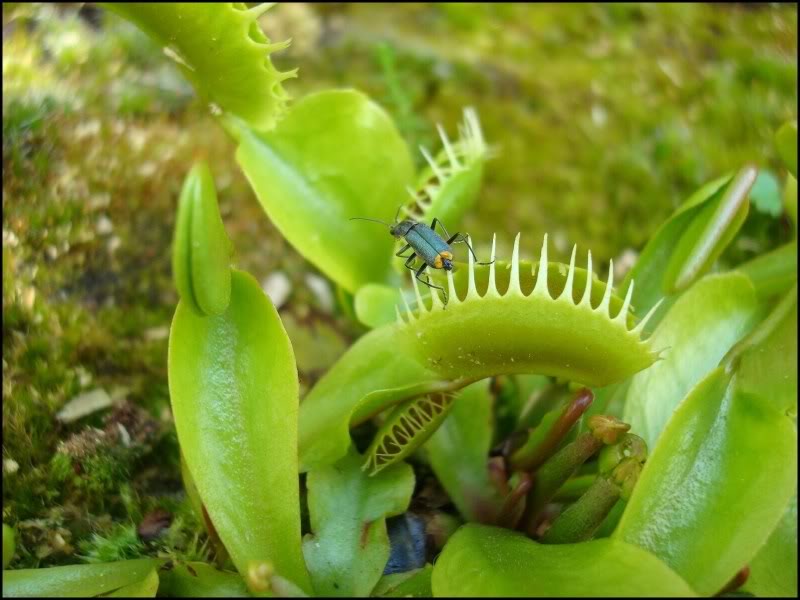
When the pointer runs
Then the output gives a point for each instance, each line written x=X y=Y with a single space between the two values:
x=603 y=119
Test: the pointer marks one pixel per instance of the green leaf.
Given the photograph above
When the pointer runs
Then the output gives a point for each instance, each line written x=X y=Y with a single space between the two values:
x=490 y=562
x=696 y=333
x=335 y=155
x=715 y=484
x=773 y=571
x=145 y=588
x=76 y=581
x=459 y=450
x=201 y=249
x=766 y=194
x=376 y=304
x=767 y=365
x=709 y=233
x=221 y=49
x=772 y=273
x=411 y=584
x=686 y=245
x=349 y=547
x=8 y=545
x=200 y=580
x=234 y=391
x=786 y=141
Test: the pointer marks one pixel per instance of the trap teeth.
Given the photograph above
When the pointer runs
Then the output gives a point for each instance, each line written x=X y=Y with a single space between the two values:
x=540 y=287
x=450 y=294
x=567 y=293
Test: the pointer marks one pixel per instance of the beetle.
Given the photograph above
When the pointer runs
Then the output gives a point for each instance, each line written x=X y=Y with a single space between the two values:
x=427 y=244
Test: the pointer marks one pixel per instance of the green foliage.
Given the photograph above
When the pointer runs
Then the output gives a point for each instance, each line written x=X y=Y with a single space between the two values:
x=200 y=263
x=349 y=546
x=714 y=387
x=491 y=562
x=336 y=155
x=457 y=453
x=694 y=335
x=200 y=580
x=773 y=571
x=414 y=584
x=121 y=543
x=8 y=545
x=221 y=50
x=238 y=448
x=741 y=469
x=766 y=194
x=511 y=330
x=76 y=581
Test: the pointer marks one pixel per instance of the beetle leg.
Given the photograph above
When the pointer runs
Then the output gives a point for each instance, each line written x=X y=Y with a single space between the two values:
x=459 y=238
x=427 y=281
x=433 y=226
x=410 y=260
x=403 y=249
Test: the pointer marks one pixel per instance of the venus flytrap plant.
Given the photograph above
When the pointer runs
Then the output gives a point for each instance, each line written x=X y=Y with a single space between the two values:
x=407 y=427
x=222 y=51
x=237 y=446
x=712 y=406
x=433 y=349
x=448 y=186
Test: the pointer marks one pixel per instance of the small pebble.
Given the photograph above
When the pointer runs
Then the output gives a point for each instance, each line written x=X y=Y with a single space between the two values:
x=83 y=405
x=321 y=290
x=278 y=287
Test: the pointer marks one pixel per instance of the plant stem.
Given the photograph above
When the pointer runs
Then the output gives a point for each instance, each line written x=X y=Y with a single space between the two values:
x=563 y=465
x=514 y=504
x=574 y=488
x=580 y=520
x=544 y=440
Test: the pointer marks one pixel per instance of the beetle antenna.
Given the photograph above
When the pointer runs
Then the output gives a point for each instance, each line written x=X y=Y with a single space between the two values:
x=397 y=214
x=367 y=219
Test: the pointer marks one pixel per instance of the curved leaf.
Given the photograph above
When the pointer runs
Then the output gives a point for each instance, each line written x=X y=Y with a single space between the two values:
x=411 y=584
x=221 y=49
x=709 y=233
x=490 y=562
x=201 y=249
x=767 y=366
x=234 y=391
x=76 y=581
x=145 y=588
x=335 y=155
x=696 y=333
x=349 y=547
x=439 y=349
x=687 y=244
x=772 y=273
x=715 y=484
x=200 y=580
x=773 y=571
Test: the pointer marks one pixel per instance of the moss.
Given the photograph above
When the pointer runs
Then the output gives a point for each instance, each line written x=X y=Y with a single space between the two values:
x=120 y=543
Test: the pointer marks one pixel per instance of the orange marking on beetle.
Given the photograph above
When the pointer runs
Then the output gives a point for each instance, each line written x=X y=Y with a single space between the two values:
x=437 y=262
